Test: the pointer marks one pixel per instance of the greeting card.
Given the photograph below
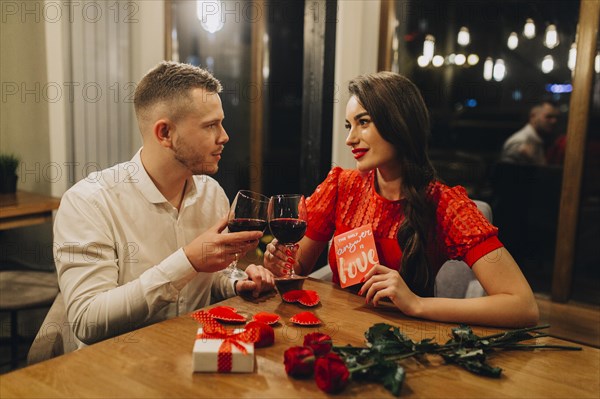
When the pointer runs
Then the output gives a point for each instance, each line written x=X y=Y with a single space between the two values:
x=356 y=254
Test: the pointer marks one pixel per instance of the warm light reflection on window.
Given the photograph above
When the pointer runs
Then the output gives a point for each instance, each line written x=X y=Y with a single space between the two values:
x=488 y=68
x=551 y=38
x=499 y=70
x=437 y=61
x=513 y=41
x=572 y=56
x=429 y=47
x=464 y=37
x=529 y=29
x=422 y=61
x=548 y=64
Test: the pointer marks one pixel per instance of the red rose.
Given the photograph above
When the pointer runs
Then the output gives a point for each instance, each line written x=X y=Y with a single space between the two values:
x=299 y=361
x=331 y=373
x=318 y=342
x=266 y=334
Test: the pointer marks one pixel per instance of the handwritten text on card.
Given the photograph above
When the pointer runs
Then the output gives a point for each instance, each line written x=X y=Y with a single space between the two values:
x=356 y=254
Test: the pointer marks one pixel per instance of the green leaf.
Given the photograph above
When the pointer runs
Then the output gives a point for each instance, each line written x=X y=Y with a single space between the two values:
x=377 y=331
x=388 y=373
x=463 y=336
x=480 y=368
x=472 y=360
x=393 y=379
x=390 y=348
x=427 y=346
x=388 y=340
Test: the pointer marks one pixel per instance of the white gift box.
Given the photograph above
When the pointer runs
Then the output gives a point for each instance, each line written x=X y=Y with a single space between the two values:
x=206 y=353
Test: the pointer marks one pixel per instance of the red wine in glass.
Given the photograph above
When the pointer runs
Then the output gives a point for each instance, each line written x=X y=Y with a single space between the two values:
x=246 y=224
x=288 y=230
x=248 y=213
x=287 y=221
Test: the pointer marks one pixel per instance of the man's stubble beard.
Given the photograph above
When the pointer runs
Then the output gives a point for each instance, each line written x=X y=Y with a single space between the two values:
x=197 y=167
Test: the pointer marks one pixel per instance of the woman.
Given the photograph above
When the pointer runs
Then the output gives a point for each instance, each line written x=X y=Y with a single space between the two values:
x=418 y=222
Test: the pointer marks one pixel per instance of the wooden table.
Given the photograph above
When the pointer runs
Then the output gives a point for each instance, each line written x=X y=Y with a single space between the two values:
x=156 y=361
x=25 y=209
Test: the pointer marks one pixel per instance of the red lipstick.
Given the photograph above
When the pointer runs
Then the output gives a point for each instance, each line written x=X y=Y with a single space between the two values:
x=359 y=152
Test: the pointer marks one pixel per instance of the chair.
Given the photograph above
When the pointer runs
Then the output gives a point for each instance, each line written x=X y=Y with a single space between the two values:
x=23 y=290
x=54 y=337
x=454 y=280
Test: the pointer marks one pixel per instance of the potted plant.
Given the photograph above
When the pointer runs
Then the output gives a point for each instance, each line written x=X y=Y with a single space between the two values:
x=8 y=173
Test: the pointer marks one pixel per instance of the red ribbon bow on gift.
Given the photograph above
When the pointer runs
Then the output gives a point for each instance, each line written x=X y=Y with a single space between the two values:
x=213 y=330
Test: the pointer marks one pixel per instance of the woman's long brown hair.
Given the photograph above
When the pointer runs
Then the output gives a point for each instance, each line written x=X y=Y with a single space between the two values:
x=399 y=113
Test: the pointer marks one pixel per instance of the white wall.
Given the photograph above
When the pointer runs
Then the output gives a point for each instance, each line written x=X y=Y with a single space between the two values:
x=357 y=38
x=25 y=93
x=56 y=56
x=147 y=46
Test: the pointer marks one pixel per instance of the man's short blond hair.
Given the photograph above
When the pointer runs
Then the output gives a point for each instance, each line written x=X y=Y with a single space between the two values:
x=172 y=82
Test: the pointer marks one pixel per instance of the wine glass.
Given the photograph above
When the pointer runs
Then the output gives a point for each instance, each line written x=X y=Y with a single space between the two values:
x=287 y=221
x=248 y=213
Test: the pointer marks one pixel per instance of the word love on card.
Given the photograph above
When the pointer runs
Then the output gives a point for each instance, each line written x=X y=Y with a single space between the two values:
x=356 y=254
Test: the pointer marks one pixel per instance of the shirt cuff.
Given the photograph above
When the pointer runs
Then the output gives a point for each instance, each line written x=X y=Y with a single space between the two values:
x=482 y=249
x=235 y=293
x=178 y=269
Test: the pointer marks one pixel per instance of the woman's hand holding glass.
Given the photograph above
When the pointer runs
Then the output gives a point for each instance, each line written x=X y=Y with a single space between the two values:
x=287 y=222
x=279 y=259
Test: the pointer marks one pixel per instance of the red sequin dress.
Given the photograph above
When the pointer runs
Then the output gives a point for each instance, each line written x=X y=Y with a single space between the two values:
x=347 y=199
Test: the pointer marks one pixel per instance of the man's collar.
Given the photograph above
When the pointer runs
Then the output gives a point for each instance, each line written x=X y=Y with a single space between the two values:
x=143 y=182
x=146 y=186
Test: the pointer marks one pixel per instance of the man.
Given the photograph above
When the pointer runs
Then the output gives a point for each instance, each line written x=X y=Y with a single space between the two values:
x=529 y=144
x=140 y=242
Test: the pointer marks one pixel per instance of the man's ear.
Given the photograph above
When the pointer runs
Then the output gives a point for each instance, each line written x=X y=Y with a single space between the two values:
x=163 y=132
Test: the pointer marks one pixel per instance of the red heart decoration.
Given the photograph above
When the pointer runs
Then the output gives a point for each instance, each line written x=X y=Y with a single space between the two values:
x=305 y=297
x=227 y=313
x=310 y=298
x=305 y=319
x=292 y=296
x=266 y=317
x=266 y=334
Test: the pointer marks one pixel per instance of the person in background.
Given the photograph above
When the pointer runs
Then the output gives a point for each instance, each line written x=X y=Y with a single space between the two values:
x=141 y=241
x=418 y=222
x=529 y=145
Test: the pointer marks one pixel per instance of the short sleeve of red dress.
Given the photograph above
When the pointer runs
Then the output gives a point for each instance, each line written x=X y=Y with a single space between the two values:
x=464 y=231
x=321 y=207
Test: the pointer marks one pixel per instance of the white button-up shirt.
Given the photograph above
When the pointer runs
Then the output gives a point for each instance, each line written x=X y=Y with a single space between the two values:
x=524 y=146
x=118 y=249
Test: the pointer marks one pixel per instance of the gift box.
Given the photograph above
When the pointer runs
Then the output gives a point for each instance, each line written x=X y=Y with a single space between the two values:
x=223 y=352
